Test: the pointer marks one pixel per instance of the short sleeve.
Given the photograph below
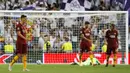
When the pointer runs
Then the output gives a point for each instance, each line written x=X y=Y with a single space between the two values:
x=81 y=31
x=17 y=28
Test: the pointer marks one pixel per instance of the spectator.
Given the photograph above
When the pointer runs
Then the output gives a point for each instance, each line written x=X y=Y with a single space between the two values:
x=61 y=33
x=54 y=7
x=47 y=44
x=28 y=6
x=116 y=5
x=8 y=48
x=104 y=47
x=36 y=34
x=2 y=6
x=41 y=7
x=7 y=34
x=67 y=33
x=55 y=4
x=41 y=41
x=57 y=45
x=51 y=1
x=1 y=26
x=49 y=7
x=102 y=5
x=101 y=35
x=16 y=5
x=9 y=5
x=1 y=44
x=67 y=46
x=52 y=37
x=95 y=31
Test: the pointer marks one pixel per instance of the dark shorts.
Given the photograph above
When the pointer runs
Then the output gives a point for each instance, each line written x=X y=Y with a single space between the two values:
x=21 y=48
x=85 y=46
x=111 y=50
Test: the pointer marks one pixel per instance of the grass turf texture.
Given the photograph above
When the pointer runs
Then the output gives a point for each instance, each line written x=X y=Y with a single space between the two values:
x=66 y=69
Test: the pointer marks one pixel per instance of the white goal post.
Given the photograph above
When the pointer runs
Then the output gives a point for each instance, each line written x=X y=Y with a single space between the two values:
x=70 y=22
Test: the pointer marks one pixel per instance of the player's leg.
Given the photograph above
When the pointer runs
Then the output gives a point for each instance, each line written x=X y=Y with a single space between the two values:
x=24 y=60
x=18 y=54
x=24 y=57
x=80 y=57
x=108 y=54
x=82 y=49
x=115 y=57
x=15 y=59
x=114 y=60
x=91 y=57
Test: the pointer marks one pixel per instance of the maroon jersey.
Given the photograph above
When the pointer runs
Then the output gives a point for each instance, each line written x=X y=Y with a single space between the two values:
x=85 y=44
x=22 y=30
x=86 y=32
x=112 y=39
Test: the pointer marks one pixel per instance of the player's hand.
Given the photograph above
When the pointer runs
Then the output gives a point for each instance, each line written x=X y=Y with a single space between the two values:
x=90 y=41
x=27 y=39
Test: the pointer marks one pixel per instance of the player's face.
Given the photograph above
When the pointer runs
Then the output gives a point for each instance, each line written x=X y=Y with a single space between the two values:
x=112 y=26
x=86 y=25
x=24 y=20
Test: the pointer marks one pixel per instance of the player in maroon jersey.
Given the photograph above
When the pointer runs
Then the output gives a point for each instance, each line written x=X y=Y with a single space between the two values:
x=21 y=43
x=85 y=42
x=112 y=43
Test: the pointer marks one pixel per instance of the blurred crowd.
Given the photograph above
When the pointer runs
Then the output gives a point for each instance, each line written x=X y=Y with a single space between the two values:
x=29 y=5
x=115 y=5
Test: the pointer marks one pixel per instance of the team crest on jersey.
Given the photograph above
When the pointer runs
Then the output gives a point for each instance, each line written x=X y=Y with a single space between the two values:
x=87 y=34
x=112 y=36
x=18 y=28
x=24 y=31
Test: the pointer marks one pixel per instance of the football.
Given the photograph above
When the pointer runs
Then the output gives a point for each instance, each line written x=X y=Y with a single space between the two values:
x=38 y=62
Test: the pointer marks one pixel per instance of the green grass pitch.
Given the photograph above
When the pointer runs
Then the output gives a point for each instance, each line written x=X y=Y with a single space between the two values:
x=66 y=69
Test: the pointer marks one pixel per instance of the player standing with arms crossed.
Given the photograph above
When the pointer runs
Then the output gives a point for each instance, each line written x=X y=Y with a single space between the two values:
x=86 y=42
x=112 y=43
x=21 y=43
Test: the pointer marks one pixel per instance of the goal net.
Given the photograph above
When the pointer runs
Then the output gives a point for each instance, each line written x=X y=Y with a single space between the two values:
x=54 y=37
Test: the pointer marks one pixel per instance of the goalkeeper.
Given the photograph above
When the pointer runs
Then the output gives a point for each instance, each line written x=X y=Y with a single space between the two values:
x=88 y=60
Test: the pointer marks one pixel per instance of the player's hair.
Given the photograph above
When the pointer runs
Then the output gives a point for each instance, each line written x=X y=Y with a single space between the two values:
x=112 y=24
x=87 y=22
x=66 y=39
x=23 y=16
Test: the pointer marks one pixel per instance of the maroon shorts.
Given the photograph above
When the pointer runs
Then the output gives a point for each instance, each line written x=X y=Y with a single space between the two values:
x=85 y=46
x=21 y=48
x=111 y=50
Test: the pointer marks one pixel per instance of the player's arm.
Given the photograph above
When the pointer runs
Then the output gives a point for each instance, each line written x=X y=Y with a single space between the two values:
x=19 y=34
x=82 y=36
